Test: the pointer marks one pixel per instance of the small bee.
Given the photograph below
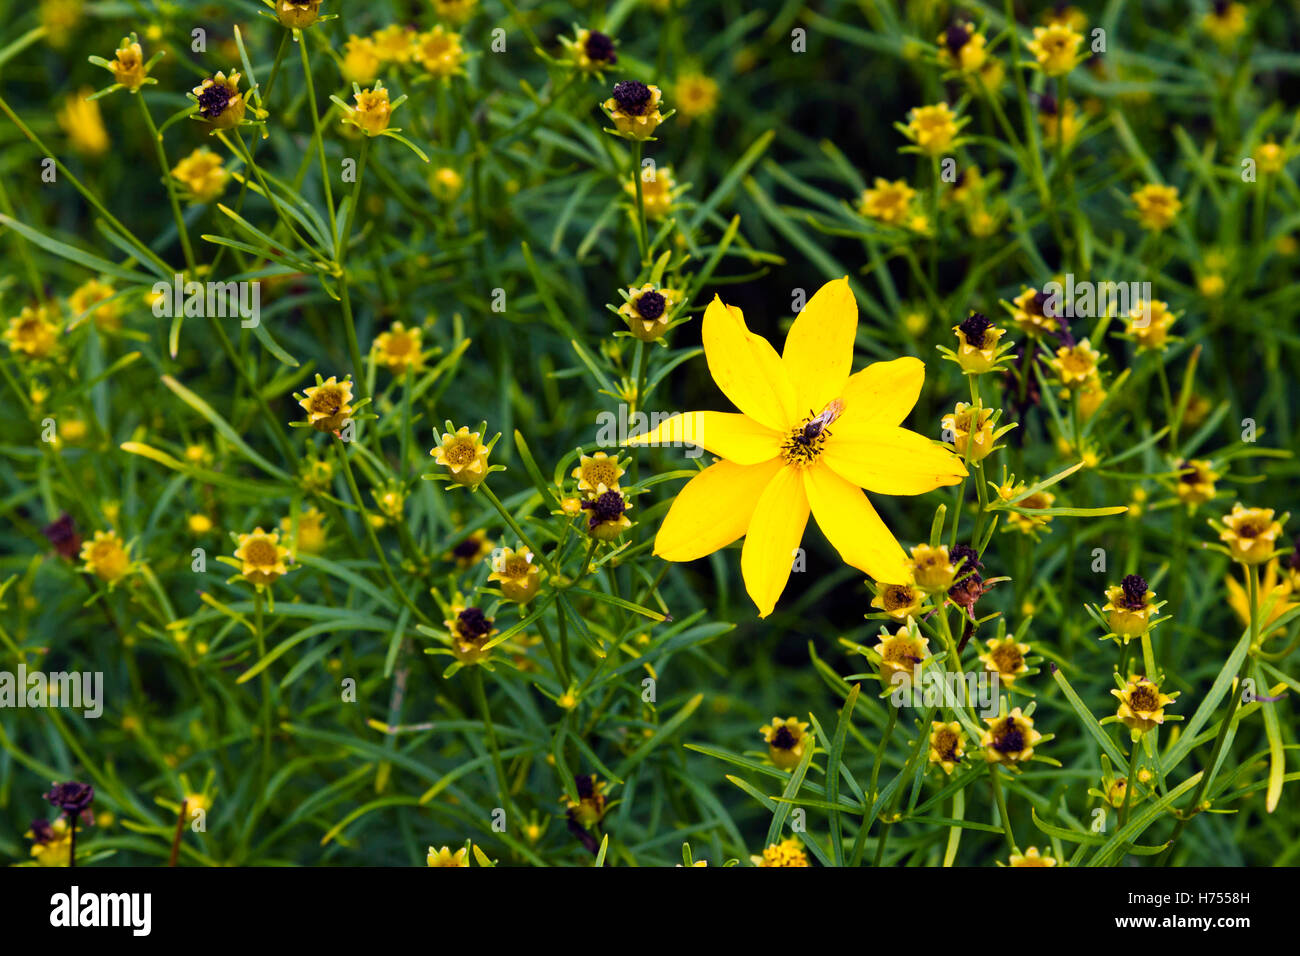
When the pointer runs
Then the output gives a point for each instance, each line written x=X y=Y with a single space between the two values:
x=815 y=428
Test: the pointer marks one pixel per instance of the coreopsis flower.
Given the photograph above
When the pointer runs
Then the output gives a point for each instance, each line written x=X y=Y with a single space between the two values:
x=1250 y=533
x=1059 y=121
x=1141 y=705
x=1149 y=323
x=444 y=857
x=127 y=66
x=786 y=741
x=60 y=18
x=328 y=403
x=1157 y=206
x=470 y=550
x=947 y=744
x=633 y=108
x=780 y=464
x=1009 y=739
x=262 y=558
x=1076 y=365
x=961 y=48
x=393 y=44
x=1031 y=857
x=972 y=431
x=1270 y=158
x=901 y=652
x=311 y=537
x=1055 y=48
x=81 y=119
x=1273 y=601
x=464 y=455
x=199 y=524
x=597 y=473
x=608 y=514
x=788 y=852
x=1196 y=478
x=1006 y=658
x=659 y=191
x=931 y=568
x=106 y=556
x=648 y=310
x=73 y=798
x=977 y=344
x=1029 y=524
x=590 y=51
x=695 y=94
x=589 y=809
x=469 y=629
x=514 y=570
x=32 y=333
x=446 y=183
x=899 y=601
x=890 y=203
x=372 y=110
x=439 y=52
x=91 y=300
x=361 y=60
x=51 y=842
x=1224 y=21
x=1030 y=313
x=202 y=175
x=932 y=129
x=297 y=14
x=220 y=102
x=398 y=349
x=1129 y=608
x=1211 y=285
x=454 y=11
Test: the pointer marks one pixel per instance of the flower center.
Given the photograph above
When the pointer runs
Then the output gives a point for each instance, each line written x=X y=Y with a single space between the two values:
x=606 y=507
x=1008 y=738
x=466 y=549
x=461 y=453
x=632 y=97
x=1135 y=592
x=600 y=48
x=1008 y=658
x=214 y=100
x=326 y=401
x=260 y=552
x=473 y=624
x=1142 y=699
x=650 y=305
x=945 y=744
x=974 y=328
x=783 y=739
x=806 y=440
x=956 y=38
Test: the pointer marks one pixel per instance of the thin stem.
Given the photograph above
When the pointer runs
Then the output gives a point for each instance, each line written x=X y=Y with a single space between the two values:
x=508 y=518
x=1001 y=801
x=181 y=231
x=480 y=697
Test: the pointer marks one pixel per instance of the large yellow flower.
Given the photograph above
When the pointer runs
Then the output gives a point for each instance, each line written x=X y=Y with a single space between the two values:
x=809 y=438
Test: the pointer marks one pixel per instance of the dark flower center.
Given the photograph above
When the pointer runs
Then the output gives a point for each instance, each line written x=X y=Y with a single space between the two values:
x=473 y=623
x=956 y=38
x=783 y=739
x=650 y=305
x=42 y=832
x=466 y=549
x=606 y=507
x=1038 y=306
x=600 y=48
x=1189 y=473
x=1135 y=592
x=63 y=535
x=632 y=97
x=214 y=100
x=586 y=787
x=974 y=328
x=72 y=797
x=1047 y=104
x=1143 y=699
x=1009 y=739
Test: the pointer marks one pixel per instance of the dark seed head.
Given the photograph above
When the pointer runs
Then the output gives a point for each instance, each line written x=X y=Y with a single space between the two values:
x=42 y=832
x=473 y=623
x=1010 y=739
x=214 y=100
x=71 y=797
x=1135 y=592
x=606 y=507
x=965 y=558
x=650 y=305
x=1220 y=8
x=974 y=328
x=632 y=97
x=1047 y=104
x=600 y=48
x=956 y=38
x=466 y=549
x=63 y=535
x=1038 y=306
x=783 y=739
x=586 y=787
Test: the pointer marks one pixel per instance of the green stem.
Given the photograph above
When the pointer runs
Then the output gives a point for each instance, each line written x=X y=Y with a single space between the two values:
x=181 y=231
x=1001 y=801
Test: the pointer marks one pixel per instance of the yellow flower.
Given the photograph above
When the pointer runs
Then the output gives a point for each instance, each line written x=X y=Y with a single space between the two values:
x=398 y=349
x=901 y=652
x=1250 y=533
x=931 y=568
x=591 y=51
x=1269 y=590
x=361 y=60
x=932 y=128
x=220 y=102
x=947 y=744
x=1224 y=22
x=311 y=531
x=202 y=175
x=634 y=109
x=1196 y=480
x=517 y=574
x=1005 y=658
x=647 y=311
x=262 y=558
x=444 y=857
x=446 y=183
x=393 y=44
x=1009 y=740
x=1076 y=365
x=51 y=842
x=961 y=48
x=297 y=14
x=977 y=339
x=470 y=629
x=32 y=332
x=197 y=801
x=439 y=52
x=608 y=513
x=199 y=524
x=328 y=405
x=463 y=455
x=590 y=806
x=1025 y=523
x=81 y=120
x=1129 y=607
x=1141 y=705
x=1212 y=285
x=106 y=556
x=1148 y=323
x=658 y=191
x=899 y=601
x=371 y=112
x=786 y=741
x=60 y=18
x=1270 y=158
x=128 y=66
x=696 y=95
x=597 y=473
x=1059 y=121
x=470 y=550
x=454 y=11
x=781 y=464
x=1031 y=857
x=887 y=202
x=965 y=424
x=1056 y=48
x=1157 y=206
x=1029 y=313
x=789 y=852
x=86 y=299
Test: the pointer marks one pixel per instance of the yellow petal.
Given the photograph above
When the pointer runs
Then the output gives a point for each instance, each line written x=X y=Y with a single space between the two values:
x=890 y=461
x=712 y=510
x=882 y=393
x=774 y=533
x=818 y=351
x=746 y=367
x=736 y=438
x=852 y=526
